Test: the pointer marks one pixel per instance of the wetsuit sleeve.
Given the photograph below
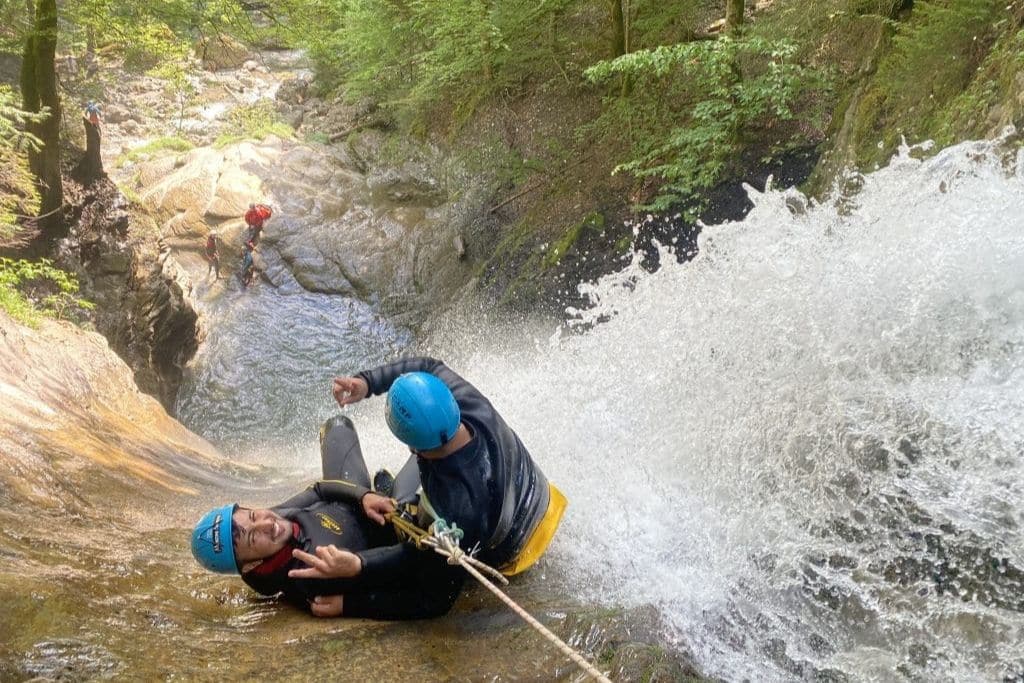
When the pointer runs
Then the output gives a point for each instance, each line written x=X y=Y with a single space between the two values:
x=393 y=562
x=430 y=593
x=340 y=491
x=327 y=491
x=380 y=379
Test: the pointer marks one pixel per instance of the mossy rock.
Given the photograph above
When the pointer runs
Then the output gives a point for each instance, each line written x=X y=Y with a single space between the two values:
x=593 y=222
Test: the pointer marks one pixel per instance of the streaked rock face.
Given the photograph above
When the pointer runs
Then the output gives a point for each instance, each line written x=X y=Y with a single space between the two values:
x=75 y=431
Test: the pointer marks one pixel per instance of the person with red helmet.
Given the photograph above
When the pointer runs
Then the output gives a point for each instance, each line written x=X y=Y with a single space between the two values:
x=255 y=218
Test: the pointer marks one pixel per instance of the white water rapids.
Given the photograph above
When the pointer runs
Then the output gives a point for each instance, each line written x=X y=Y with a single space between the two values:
x=806 y=445
x=792 y=443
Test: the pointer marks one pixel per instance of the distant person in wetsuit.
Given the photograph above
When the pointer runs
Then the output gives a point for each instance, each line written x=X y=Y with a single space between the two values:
x=263 y=545
x=248 y=264
x=212 y=255
x=475 y=471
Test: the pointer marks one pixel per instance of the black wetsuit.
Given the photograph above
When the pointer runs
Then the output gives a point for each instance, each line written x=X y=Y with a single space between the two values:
x=490 y=487
x=415 y=585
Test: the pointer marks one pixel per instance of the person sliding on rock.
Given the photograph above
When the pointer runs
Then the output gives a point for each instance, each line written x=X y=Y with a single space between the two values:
x=475 y=471
x=255 y=217
x=212 y=256
x=265 y=546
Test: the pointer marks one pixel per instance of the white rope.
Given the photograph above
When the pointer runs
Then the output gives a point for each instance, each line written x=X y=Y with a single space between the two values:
x=495 y=574
x=457 y=556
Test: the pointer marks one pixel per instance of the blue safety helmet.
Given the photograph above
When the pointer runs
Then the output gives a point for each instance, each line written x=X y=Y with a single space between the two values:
x=212 y=542
x=421 y=411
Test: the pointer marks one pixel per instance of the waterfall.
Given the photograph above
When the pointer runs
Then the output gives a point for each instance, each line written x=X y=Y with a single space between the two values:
x=804 y=445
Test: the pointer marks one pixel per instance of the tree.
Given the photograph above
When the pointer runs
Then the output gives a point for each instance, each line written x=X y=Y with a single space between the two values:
x=39 y=92
x=619 y=15
x=733 y=16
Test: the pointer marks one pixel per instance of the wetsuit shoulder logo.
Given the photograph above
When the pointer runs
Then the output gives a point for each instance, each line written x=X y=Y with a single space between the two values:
x=329 y=523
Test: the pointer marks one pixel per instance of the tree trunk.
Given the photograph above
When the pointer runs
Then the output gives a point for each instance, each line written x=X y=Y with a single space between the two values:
x=733 y=15
x=29 y=87
x=486 y=49
x=90 y=167
x=553 y=19
x=618 y=18
x=38 y=90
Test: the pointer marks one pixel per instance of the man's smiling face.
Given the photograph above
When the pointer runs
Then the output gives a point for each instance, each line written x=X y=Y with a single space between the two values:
x=258 y=534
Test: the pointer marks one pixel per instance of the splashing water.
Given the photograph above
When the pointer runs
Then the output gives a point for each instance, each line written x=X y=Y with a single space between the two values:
x=806 y=444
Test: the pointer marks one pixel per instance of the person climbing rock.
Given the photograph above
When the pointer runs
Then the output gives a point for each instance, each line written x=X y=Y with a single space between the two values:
x=264 y=545
x=212 y=255
x=248 y=270
x=255 y=218
x=474 y=469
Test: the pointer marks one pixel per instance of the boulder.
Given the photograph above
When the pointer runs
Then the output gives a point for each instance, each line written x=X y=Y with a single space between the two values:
x=221 y=52
x=234 y=191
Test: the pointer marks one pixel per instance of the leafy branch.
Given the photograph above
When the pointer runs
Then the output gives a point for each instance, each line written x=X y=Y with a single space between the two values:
x=728 y=87
x=30 y=290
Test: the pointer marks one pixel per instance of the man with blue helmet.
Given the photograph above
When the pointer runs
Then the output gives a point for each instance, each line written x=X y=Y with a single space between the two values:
x=474 y=470
x=264 y=545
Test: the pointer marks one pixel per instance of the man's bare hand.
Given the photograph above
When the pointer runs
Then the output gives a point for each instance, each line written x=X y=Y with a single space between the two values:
x=328 y=563
x=348 y=390
x=327 y=605
x=375 y=506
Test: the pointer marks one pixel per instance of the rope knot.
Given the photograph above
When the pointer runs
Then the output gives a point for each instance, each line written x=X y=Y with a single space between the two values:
x=449 y=537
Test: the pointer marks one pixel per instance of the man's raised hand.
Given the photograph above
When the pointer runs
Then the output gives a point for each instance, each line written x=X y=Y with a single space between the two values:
x=348 y=390
x=328 y=563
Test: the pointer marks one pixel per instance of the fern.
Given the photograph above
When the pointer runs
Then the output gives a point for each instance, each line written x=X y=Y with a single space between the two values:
x=30 y=290
x=725 y=88
x=18 y=195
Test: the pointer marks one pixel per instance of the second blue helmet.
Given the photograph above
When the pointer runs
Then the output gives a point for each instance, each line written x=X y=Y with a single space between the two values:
x=421 y=411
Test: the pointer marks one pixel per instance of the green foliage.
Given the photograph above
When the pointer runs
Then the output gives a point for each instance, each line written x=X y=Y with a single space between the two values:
x=155 y=148
x=935 y=56
x=30 y=290
x=151 y=33
x=415 y=52
x=416 y=55
x=941 y=41
x=253 y=122
x=316 y=137
x=154 y=46
x=14 y=23
x=660 y=22
x=694 y=105
x=994 y=85
x=18 y=195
